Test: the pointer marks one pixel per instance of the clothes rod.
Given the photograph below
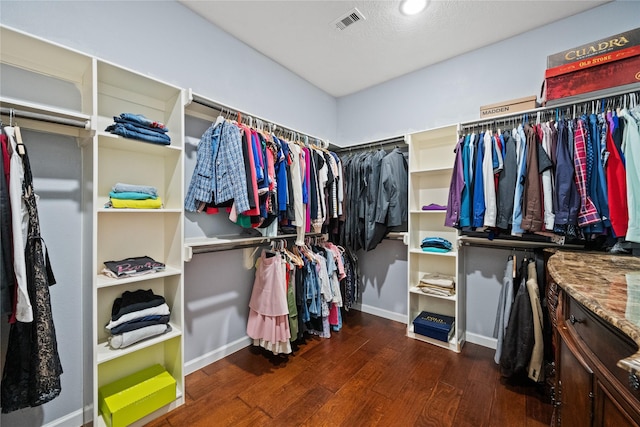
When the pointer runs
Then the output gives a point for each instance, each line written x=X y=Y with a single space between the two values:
x=83 y=124
x=223 y=108
x=581 y=104
x=239 y=243
x=509 y=244
x=382 y=144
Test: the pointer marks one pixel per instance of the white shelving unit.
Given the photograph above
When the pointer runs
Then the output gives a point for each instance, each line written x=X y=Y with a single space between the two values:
x=99 y=91
x=431 y=158
x=124 y=233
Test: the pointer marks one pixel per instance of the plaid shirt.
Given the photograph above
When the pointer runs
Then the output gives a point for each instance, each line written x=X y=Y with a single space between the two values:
x=588 y=212
x=229 y=172
x=202 y=184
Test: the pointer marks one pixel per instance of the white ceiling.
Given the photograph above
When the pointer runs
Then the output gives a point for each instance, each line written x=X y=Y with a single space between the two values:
x=300 y=36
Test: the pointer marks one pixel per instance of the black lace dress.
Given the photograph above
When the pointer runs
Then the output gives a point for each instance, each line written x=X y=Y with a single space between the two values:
x=32 y=370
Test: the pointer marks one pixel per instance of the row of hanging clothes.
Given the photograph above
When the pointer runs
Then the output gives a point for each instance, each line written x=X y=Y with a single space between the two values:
x=32 y=370
x=376 y=195
x=519 y=327
x=278 y=183
x=298 y=292
x=571 y=172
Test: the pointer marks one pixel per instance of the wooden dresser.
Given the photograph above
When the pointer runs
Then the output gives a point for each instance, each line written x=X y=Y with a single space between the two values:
x=594 y=305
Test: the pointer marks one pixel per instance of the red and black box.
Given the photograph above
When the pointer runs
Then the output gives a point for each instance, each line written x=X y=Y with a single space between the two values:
x=587 y=69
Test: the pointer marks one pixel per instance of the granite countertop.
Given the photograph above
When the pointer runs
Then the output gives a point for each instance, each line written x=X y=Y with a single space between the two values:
x=608 y=285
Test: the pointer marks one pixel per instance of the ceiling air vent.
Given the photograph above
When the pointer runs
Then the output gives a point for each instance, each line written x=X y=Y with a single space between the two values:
x=351 y=17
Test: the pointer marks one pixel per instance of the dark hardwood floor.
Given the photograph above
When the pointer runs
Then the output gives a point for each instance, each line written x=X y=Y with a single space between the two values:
x=368 y=374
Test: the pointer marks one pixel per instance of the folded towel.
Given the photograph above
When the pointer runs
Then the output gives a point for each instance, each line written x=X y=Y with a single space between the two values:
x=438 y=279
x=147 y=189
x=131 y=195
x=136 y=204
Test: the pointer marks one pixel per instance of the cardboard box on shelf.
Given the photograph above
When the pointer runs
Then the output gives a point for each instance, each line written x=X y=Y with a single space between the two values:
x=508 y=107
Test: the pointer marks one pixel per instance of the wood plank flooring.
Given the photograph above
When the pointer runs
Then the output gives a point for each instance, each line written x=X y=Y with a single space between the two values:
x=368 y=374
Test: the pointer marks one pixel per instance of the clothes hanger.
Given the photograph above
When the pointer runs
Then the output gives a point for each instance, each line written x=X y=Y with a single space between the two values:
x=220 y=118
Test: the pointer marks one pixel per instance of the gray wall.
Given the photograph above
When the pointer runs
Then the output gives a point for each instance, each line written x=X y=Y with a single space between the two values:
x=383 y=291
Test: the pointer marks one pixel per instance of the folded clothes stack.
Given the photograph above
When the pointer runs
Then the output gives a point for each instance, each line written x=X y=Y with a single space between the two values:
x=434 y=207
x=437 y=284
x=137 y=126
x=134 y=197
x=135 y=266
x=436 y=244
x=136 y=316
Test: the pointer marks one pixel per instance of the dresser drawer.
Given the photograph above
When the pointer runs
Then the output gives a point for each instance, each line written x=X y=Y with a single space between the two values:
x=608 y=344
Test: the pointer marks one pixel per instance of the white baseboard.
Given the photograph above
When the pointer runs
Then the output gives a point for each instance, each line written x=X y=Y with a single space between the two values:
x=215 y=355
x=398 y=317
x=489 y=342
x=74 y=419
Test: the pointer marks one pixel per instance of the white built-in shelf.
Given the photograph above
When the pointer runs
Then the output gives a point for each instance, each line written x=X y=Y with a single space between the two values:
x=104 y=281
x=432 y=171
x=106 y=353
x=431 y=159
x=452 y=345
x=117 y=142
x=134 y=211
x=396 y=235
x=420 y=211
x=442 y=254
x=47 y=110
x=417 y=291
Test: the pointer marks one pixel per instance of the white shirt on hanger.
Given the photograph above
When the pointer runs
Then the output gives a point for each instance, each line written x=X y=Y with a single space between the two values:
x=19 y=224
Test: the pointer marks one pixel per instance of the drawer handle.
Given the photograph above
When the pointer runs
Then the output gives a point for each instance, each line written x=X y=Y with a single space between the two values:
x=634 y=381
x=573 y=320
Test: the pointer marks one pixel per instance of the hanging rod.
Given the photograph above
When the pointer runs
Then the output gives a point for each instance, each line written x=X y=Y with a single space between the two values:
x=44 y=117
x=552 y=108
x=198 y=99
x=512 y=244
x=381 y=144
x=227 y=243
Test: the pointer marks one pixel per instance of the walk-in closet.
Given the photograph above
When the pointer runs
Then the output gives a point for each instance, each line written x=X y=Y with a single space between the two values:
x=319 y=213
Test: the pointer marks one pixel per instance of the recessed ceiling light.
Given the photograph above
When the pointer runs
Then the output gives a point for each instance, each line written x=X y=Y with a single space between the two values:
x=412 y=7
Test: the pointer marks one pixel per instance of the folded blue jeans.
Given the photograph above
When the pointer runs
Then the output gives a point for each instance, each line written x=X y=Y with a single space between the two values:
x=144 y=130
x=141 y=120
x=156 y=138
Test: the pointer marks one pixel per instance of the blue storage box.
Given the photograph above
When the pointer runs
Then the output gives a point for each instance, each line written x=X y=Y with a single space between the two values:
x=433 y=325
